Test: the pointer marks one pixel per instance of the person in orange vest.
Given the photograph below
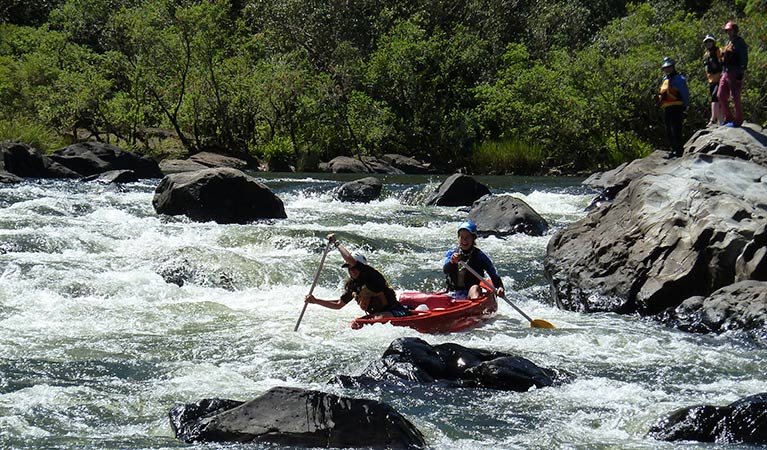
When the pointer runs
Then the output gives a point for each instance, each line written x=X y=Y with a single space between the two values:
x=674 y=97
x=735 y=60
x=712 y=61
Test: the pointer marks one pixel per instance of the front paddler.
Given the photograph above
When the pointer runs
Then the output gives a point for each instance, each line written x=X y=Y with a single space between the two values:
x=366 y=285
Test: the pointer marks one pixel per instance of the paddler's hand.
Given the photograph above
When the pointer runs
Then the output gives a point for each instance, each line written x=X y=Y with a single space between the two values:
x=310 y=299
x=332 y=238
x=454 y=258
x=500 y=292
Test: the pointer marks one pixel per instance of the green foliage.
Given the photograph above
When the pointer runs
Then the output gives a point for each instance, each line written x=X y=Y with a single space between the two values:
x=33 y=134
x=508 y=156
x=499 y=85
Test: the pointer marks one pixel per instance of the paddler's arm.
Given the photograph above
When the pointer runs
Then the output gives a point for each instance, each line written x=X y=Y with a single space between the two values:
x=348 y=258
x=332 y=304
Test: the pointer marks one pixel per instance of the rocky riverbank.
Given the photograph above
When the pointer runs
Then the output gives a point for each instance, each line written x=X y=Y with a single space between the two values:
x=680 y=240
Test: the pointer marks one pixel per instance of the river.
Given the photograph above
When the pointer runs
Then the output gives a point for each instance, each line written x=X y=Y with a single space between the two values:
x=111 y=314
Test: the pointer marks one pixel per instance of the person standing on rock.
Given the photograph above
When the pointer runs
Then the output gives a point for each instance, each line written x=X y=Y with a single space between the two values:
x=734 y=61
x=712 y=61
x=674 y=97
x=460 y=281
x=366 y=285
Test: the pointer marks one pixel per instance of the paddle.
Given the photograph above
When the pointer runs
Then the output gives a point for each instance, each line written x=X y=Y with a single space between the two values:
x=316 y=278
x=534 y=323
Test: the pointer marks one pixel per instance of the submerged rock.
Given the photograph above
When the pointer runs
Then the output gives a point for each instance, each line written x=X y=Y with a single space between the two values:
x=297 y=417
x=740 y=422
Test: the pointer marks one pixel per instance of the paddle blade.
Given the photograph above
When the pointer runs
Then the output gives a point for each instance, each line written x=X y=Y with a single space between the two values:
x=540 y=323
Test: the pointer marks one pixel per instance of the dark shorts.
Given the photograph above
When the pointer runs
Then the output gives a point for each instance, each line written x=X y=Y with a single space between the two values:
x=399 y=311
x=713 y=90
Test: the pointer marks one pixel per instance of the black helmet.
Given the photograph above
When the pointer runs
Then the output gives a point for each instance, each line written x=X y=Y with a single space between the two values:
x=667 y=62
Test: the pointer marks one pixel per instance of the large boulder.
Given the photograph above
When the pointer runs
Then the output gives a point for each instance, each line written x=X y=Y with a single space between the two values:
x=25 y=161
x=741 y=422
x=457 y=190
x=503 y=215
x=678 y=229
x=90 y=158
x=223 y=195
x=297 y=418
x=344 y=164
x=363 y=190
x=413 y=360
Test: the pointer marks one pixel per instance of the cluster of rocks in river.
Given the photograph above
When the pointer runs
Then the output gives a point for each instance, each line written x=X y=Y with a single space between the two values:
x=683 y=241
x=297 y=417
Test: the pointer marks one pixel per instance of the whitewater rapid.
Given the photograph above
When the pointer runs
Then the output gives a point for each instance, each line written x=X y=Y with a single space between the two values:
x=111 y=314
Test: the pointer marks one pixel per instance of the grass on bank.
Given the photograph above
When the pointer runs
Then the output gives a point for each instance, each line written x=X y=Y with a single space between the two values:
x=508 y=156
x=35 y=135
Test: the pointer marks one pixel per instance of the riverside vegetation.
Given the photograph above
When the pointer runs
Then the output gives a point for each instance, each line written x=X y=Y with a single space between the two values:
x=496 y=86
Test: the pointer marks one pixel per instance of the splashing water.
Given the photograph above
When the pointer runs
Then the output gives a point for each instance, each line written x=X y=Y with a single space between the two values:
x=111 y=314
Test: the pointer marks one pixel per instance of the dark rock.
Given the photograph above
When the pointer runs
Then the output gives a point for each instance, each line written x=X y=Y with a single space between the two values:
x=457 y=359
x=419 y=352
x=27 y=162
x=363 y=190
x=344 y=164
x=297 y=417
x=739 y=306
x=7 y=177
x=380 y=166
x=503 y=215
x=186 y=420
x=406 y=164
x=212 y=160
x=511 y=373
x=168 y=166
x=90 y=158
x=741 y=422
x=457 y=190
x=413 y=360
x=679 y=232
x=114 y=176
x=223 y=195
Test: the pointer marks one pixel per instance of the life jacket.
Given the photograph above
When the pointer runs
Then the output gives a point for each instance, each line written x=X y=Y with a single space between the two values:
x=372 y=302
x=713 y=63
x=463 y=280
x=669 y=95
x=730 y=57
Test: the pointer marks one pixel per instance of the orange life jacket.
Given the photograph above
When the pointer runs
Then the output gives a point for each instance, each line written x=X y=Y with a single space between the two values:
x=713 y=65
x=669 y=95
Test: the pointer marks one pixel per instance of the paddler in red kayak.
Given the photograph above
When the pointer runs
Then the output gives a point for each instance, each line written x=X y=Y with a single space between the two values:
x=460 y=282
x=366 y=285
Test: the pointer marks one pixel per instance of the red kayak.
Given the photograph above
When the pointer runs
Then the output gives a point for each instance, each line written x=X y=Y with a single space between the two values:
x=437 y=313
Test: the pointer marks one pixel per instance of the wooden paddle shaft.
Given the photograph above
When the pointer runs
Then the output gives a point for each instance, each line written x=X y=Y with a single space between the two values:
x=316 y=278
x=474 y=272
